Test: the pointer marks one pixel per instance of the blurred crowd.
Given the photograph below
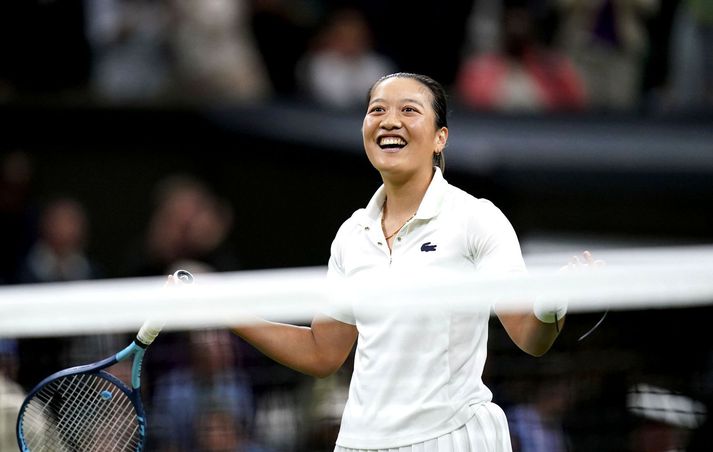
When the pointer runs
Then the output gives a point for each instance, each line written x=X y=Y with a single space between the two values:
x=204 y=390
x=493 y=55
x=207 y=390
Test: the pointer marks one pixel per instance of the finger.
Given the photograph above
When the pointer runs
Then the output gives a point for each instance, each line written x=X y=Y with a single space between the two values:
x=588 y=257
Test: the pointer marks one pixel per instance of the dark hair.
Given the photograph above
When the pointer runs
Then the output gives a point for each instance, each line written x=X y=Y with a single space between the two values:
x=439 y=104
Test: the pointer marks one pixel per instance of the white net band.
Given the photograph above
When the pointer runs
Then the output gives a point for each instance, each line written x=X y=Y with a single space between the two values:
x=632 y=279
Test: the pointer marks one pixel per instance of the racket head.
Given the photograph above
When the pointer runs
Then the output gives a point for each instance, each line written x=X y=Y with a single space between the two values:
x=81 y=411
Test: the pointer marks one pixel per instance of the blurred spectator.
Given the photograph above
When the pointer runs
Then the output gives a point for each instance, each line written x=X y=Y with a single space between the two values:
x=483 y=30
x=188 y=228
x=536 y=426
x=215 y=53
x=522 y=76
x=188 y=223
x=18 y=217
x=278 y=417
x=692 y=55
x=11 y=394
x=342 y=64
x=607 y=41
x=11 y=398
x=9 y=363
x=326 y=405
x=59 y=254
x=128 y=41
x=484 y=26
x=212 y=377
x=217 y=430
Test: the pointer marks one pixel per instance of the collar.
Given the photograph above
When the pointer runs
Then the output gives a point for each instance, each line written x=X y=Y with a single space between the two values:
x=430 y=204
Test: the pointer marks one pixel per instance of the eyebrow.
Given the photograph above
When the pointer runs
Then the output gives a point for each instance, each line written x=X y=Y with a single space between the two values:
x=407 y=100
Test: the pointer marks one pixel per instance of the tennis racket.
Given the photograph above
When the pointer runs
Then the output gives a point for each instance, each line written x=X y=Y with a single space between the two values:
x=85 y=408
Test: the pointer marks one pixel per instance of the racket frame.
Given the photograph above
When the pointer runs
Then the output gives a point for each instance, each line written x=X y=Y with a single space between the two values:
x=146 y=335
x=135 y=349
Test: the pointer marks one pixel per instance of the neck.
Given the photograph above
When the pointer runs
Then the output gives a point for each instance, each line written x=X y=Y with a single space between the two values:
x=404 y=197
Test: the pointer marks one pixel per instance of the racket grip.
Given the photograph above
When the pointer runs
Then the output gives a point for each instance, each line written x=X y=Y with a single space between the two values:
x=149 y=330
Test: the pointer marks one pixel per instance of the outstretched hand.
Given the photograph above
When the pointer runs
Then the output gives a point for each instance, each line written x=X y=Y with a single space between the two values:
x=583 y=261
x=586 y=261
x=179 y=277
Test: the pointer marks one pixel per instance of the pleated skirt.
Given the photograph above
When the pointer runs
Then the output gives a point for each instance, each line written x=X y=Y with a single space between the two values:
x=486 y=431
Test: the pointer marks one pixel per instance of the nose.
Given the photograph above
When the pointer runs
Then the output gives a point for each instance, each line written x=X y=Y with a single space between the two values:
x=390 y=121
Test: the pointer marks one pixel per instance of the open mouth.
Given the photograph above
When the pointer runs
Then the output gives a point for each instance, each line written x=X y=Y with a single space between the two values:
x=391 y=143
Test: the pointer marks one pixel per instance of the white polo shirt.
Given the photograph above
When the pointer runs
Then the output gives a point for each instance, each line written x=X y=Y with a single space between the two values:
x=417 y=373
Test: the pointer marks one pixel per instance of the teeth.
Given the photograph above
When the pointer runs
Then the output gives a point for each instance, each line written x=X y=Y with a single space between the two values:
x=392 y=141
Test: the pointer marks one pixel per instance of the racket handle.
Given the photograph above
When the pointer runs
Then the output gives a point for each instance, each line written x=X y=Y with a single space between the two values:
x=151 y=328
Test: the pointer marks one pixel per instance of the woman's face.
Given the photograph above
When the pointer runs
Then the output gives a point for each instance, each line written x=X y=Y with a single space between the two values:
x=399 y=130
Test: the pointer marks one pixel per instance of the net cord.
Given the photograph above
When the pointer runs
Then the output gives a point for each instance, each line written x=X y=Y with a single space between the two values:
x=632 y=279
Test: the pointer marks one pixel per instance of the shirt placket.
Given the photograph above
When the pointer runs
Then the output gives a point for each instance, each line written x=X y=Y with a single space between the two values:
x=376 y=237
x=399 y=240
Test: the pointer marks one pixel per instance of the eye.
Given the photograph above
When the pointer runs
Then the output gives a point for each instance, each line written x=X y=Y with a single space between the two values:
x=409 y=109
x=376 y=109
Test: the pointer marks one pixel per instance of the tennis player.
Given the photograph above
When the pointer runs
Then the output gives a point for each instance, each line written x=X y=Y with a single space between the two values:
x=417 y=381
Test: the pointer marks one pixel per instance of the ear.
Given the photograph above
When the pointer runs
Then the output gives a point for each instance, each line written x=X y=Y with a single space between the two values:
x=442 y=138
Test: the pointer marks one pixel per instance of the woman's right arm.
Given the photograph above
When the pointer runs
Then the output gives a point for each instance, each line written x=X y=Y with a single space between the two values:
x=318 y=350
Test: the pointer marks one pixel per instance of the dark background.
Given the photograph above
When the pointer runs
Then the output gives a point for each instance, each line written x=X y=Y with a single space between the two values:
x=293 y=171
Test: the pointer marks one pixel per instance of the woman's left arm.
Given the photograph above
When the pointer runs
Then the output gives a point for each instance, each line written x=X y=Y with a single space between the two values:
x=535 y=332
x=529 y=333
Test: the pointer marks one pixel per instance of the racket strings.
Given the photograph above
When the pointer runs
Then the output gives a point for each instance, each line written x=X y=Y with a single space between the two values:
x=80 y=413
x=109 y=419
x=73 y=429
x=102 y=432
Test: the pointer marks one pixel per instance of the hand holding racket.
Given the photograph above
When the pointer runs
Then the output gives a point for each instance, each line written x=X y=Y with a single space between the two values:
x=85 y=408
x=586 y=260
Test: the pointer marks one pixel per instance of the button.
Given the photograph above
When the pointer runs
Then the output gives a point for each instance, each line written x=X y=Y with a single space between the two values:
x=366 y=228
x=398 y=238
x=379 y=243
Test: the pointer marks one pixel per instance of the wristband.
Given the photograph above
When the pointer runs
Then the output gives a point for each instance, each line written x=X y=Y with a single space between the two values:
x=550 y=311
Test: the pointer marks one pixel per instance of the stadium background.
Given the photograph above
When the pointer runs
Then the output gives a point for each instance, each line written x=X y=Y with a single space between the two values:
x=292 y=170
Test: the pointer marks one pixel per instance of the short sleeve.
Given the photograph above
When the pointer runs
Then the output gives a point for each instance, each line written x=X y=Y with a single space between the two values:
x=338 y=306
x=493 y=243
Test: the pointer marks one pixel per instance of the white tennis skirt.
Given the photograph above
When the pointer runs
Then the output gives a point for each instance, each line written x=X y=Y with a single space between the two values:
x=486 y=431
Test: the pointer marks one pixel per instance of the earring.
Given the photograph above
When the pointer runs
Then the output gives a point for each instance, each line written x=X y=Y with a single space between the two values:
x=438 y=160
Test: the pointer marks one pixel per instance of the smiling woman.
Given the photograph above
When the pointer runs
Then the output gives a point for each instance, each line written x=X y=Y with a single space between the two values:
x=404 y=133
x=430 y=102
x=417 y=380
